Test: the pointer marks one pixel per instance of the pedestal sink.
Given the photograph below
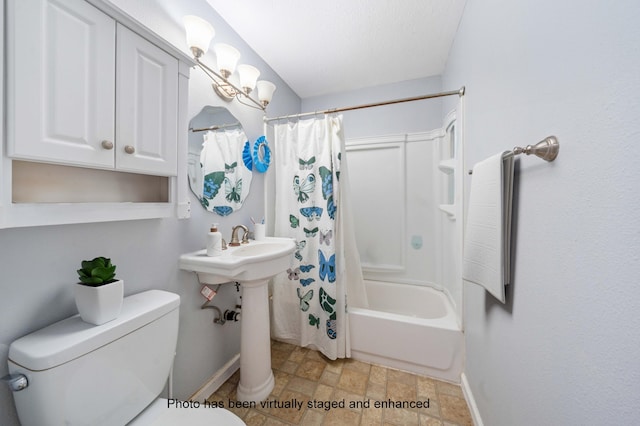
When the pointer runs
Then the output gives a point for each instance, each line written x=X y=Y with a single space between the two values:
x=252 y=265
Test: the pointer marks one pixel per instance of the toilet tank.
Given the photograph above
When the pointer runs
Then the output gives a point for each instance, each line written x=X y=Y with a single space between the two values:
x=81 y=374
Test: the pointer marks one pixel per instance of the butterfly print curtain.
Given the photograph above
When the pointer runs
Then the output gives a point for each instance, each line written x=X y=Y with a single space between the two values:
x=310 y=299
x=226 y=179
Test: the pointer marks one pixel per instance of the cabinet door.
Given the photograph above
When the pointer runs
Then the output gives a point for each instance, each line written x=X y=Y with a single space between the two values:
x=147 y=107
x=61 y=82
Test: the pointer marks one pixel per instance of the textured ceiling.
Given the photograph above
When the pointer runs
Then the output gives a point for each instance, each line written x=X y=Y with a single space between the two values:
x=331 y=46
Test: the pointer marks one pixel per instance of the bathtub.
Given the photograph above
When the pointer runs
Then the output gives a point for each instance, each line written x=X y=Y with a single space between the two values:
x=408 y=327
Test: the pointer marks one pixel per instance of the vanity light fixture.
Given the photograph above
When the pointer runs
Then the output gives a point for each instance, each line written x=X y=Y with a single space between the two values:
x=225 y=83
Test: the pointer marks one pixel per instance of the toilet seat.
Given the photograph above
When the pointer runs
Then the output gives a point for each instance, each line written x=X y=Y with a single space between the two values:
x=159 y=414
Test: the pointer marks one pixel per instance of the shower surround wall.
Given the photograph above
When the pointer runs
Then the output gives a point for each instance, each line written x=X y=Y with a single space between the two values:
x=394 y=199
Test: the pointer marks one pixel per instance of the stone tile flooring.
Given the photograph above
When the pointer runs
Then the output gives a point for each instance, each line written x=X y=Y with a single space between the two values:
x=313 y=390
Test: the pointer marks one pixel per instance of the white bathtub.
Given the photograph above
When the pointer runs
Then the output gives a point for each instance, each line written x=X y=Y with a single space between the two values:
x=409 y=327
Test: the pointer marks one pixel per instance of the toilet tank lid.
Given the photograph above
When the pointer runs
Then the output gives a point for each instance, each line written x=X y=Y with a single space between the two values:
x=71 y=338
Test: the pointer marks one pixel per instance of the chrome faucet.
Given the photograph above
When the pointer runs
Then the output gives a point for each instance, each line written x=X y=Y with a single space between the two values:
x=234 y=236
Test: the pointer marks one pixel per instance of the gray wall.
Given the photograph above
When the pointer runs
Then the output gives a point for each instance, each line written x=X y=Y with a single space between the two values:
x=38 y=264
x=410 y=117
x=564 y=350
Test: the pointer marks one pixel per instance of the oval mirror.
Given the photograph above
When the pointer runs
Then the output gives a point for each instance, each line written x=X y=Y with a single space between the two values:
x=218 y=175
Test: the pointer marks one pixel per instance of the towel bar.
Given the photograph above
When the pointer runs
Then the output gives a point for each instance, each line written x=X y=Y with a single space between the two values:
x=547 y=149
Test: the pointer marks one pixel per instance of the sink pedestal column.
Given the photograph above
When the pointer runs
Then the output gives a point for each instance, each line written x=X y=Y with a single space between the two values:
x=256 y=377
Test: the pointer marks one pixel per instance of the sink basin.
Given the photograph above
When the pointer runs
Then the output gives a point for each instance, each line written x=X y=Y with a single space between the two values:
x=258 y=260
x=251 y=265
x=264 y=249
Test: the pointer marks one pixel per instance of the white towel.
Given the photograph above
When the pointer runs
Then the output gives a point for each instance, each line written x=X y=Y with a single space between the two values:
x=487 y=240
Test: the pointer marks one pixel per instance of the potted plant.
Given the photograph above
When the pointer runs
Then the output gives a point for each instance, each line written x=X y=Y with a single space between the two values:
x=98 y=294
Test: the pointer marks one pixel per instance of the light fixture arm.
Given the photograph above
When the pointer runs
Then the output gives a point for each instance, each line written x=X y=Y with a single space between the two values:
x=222 y=84
x=239 y=98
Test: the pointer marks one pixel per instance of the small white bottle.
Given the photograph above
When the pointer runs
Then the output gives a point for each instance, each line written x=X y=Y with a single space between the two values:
x=214 y=242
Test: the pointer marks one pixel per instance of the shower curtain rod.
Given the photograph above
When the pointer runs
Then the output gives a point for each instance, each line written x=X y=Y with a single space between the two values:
x=376 y=104
x=216 y=127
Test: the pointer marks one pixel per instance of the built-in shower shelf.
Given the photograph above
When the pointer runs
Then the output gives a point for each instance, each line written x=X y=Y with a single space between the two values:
x=449 y=209
x=447 y=166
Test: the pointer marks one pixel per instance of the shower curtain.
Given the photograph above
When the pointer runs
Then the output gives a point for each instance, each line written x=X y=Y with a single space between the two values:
x=310 y=299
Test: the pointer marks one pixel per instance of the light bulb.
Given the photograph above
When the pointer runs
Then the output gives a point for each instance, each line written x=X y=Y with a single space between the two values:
x=227 y=57
x=265 y=91
x=248 y=77
x=199 y=34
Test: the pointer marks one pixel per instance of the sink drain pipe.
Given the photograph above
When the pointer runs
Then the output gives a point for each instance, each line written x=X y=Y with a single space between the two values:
x=233 y=315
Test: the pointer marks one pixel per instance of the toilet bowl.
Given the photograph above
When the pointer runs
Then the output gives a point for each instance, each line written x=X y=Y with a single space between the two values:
x=111 y=374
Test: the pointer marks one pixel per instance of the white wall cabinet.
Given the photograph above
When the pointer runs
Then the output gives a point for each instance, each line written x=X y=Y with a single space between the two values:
x=89 y=87
x=88 y=91
x=61 y=75
x=146 y=106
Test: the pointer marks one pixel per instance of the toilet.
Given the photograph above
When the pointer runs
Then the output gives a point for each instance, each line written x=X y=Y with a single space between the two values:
x=112 y=374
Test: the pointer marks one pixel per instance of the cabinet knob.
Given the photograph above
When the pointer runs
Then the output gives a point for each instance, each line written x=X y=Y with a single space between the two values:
x=107 y=144
x=129 y=149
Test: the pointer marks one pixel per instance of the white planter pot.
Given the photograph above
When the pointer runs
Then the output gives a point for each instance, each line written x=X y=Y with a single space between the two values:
x=98 y=305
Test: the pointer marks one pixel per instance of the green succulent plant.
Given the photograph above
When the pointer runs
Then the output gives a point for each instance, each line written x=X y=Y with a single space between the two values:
x=97 y=272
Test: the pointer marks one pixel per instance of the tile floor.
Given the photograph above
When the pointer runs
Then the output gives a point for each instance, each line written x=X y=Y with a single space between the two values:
x=305 y=377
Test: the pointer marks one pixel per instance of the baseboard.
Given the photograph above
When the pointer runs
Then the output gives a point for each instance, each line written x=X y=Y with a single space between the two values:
x=217 y=380
x=471 y=402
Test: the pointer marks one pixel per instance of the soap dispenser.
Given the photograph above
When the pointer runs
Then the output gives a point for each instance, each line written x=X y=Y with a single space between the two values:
x=214 y=241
